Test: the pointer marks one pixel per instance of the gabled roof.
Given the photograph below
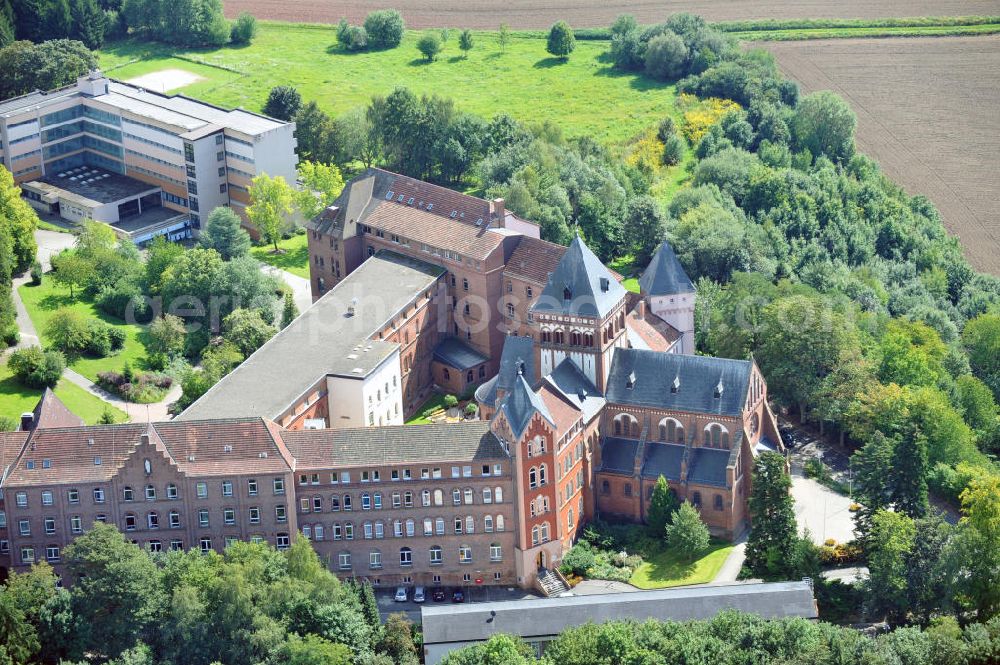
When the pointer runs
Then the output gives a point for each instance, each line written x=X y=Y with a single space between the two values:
x=51 y=412
x=576 y=388
x=648 y=331
x=521 y=404
x=534 y=259
x=518 y=355
x=665 y=276
x=435 y=442
x=592 y=289
x=645 y=378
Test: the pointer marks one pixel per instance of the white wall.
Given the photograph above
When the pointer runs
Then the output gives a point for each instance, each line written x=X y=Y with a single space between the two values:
x=347 y=396
x=274 y=153
x=678 y=311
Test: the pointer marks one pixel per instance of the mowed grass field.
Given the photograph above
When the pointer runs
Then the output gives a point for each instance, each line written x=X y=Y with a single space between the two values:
x=15 y=399
x=584 y=94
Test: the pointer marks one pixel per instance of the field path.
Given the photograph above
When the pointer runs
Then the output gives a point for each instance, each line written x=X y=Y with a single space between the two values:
x=532 y=14
x=927 y=112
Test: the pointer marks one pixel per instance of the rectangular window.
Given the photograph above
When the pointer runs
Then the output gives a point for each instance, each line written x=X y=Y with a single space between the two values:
x=227 y=488
x=47 y=498
x=98 y=495
x=27 y=555
x=21 y=498
x=229 y=516
x=206 y=545
x=24 y=527
x=252 y=487
x=76 y=524
x=201 y=490
x=50 y=526
x=203 y=517
x=73 y=496
x=280 y=513
x=255 y=515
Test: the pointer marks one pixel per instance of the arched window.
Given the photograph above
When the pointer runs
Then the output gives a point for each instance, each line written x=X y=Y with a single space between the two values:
x=671 y=431
x=458 y=525
x=532 y=477
x=150 y=493
x=128 y=494
x=626 y=425
x=439 y=526
x=435 y=553
x=456 y=496
x=347 y=502
x=410 y=528
x=717 y=436
x=717 y=502
x=545 y=532
x=496 y=553
x=334 y=503
x=754 y=424
x=405 y=556
x=171 y=491
x=318 y=532
x=569 y=519
x=468 y=495
x=499 y=522
x=470 y=377
x=487 y=495
x=535 y=533
x=438 y=497
x=605 y=487
x=425 y=498
x=542 y=473
x=428 y=526
x=488 y=524
x=498 y=495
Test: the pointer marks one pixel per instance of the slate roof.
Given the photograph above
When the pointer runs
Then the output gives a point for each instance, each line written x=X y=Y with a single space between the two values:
x=518 y=353
x=534 y=259
x=438 y=442
x=575 y=387
x=593 y=289
x=698 y=375
x=322 y=341
x=665 y=276
x=453 y=352
x=443 y=624
x=424 y=215
x=618 y=455
x=198 y=448
x=663 y=459
x=707 y=466
x=520 y=404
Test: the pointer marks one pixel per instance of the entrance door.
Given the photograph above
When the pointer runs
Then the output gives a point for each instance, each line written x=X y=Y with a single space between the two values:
x=540 y=560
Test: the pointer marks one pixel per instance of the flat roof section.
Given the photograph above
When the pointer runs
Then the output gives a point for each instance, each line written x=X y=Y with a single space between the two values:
x=97 y=184
x=325 y=340
x=149 y=217
x=550 y=616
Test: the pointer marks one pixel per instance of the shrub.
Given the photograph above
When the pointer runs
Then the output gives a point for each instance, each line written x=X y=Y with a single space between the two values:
x=628 y=51
x=68 y=331
x=283 y=102
x=450 y=401
x=579 y=559
x=36 y=273
x=666 y=56
x=465 y=42
x=430 y=45
x=122 y=299
x=8 y=424
x=673 y=149
x=244 y=29
x=561 y=41
x=471 y=409
x=117 y=338
x=98 y=338
x=666 y=128
x=36 y=368
x=385 y=28
x=352 y=37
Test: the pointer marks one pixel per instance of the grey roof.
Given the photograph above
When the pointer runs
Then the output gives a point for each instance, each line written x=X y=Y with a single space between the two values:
x=663 y=459
x=16 y=105
x=707 y=466
x=665 y=276
x=97 y=184
x=618 y=455
x=437 y=442
x=654 y=374
x=534 y=618
x=521 y=403
x=593 y=290
x=574 y=385
x=324 y=340
x=518 y=353
x=453 y=352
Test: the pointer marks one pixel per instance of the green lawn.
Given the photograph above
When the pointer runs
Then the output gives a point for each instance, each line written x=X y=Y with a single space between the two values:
x=43 y=300
x=434 y=401
x=852 y=32
x=15 y=399
x=666 y=569
x=295 y=258
x=625 y=266
x=584 y=94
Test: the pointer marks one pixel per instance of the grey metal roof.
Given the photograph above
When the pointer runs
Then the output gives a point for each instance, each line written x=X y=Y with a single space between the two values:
x=618 y=455
x=663 y=459
x=16 y=105
x=550 y=616
x=574 y=385
x=698 y=377
x=400 y=444
x=593 y=290
x=707 y=466
x=97 y=184
x=518 y=354
x=521 y=403
x=665 y=276
x=453 y=352
x=324 y=340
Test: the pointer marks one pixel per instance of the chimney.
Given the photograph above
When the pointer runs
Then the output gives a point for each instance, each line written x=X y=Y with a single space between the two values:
x=27 y=421
x=498 y=210
x=640 y=310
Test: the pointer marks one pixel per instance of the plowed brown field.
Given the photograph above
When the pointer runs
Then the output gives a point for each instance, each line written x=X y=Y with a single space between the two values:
x=928 y=112
x=536 y=14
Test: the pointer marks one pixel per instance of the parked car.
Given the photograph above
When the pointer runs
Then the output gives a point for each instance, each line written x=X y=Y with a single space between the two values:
x=418 y=595
x=458 y=596
x=438 y=595
x=401 y=594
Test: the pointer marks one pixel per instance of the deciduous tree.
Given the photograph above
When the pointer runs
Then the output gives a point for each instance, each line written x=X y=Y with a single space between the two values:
x=561 y=41
x=271 y=203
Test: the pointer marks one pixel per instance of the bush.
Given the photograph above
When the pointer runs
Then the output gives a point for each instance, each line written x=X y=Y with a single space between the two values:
x=98 y=338
x=673 y=149
x=580 y=558
x=117 y=337
x=283 y=102
x=561 y=41
x=244 y=29
x=471 y=409
x=35 y=368
x=123 y=299
x=385 y=28
x=666 y=56
x=36 y=273
x=450 y=401
x=68 y=331
x=666 y=128
x=430 y=45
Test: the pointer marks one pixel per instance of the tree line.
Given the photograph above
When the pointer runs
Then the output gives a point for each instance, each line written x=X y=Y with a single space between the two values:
x=251 y=604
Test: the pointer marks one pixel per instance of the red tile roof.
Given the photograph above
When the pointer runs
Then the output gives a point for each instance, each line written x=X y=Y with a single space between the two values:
x=534 y=259
x=444 y=201
x=420 y=226
x=51 y=412
x=564 y=413
x=654 y=331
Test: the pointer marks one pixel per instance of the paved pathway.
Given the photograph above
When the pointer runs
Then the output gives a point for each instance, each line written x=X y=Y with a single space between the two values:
x=848 y=575
x=734 y=562
x=137 y=413
x=300 y=285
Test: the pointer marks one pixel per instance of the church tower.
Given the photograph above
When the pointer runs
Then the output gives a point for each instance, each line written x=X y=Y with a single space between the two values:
x=670 y=294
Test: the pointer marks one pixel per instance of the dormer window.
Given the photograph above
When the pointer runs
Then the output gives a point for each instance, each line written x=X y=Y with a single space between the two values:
x=605 y=284
x=676 y=385
x=718 y=390
x=567 y=294
x=630 y=381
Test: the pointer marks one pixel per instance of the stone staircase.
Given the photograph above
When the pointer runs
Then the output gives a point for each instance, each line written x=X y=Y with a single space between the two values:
x=551 y=584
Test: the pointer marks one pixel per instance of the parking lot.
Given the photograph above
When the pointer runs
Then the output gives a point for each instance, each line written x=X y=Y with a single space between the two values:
x=473 y=594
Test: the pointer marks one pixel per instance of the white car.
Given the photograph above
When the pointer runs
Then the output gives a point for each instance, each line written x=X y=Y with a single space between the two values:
x=401 y=594
x=418 y=595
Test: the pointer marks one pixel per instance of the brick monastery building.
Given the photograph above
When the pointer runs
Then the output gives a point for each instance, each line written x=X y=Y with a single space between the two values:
x=586 y=393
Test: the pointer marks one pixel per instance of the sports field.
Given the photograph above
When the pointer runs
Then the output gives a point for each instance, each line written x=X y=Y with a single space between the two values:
x=584 y=95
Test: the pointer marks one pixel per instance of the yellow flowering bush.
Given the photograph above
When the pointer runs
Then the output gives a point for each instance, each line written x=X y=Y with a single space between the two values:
x=646 y=152
x=702 y=114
